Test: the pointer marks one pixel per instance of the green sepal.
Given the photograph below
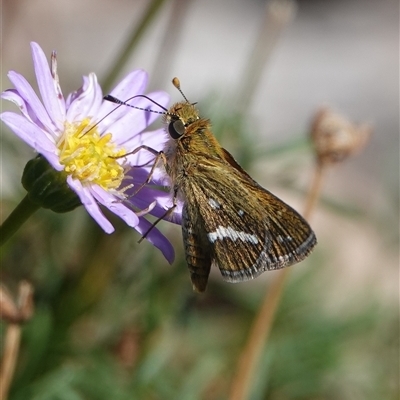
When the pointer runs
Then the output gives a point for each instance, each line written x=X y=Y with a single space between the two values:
x=47 y=187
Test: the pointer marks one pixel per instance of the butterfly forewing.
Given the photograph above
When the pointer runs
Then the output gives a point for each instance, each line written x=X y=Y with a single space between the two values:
x=245 y=237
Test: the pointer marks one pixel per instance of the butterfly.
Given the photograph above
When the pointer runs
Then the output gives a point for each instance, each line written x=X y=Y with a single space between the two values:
x=228 y=219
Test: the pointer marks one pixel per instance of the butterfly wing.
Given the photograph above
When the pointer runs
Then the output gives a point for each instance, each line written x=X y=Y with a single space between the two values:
x=198 y=256
x=241 y=227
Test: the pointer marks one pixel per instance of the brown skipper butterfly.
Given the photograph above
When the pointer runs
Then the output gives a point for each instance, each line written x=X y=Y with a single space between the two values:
x=228 y=219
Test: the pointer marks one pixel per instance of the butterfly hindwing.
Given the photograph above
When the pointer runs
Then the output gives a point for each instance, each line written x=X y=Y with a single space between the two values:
x=197 y=252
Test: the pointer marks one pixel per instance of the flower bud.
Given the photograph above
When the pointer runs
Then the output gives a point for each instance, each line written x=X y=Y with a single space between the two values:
x=47 y=187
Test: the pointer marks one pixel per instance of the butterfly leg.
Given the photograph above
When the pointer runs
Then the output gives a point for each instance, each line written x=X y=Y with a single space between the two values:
x=165 y=215
x=159 y=156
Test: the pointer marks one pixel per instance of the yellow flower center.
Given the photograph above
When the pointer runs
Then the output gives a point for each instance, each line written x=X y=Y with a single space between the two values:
x=89 y=157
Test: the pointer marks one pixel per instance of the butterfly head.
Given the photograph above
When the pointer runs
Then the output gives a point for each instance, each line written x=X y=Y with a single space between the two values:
x=180 y=115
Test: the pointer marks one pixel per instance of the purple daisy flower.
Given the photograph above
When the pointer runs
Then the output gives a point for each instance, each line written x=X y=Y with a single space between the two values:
x=87 y=138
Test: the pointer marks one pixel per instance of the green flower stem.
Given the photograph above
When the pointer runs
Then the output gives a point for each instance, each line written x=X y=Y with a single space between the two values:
x=15 y=220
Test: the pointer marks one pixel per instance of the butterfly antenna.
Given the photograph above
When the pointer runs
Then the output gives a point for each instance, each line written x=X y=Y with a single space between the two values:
x=113 y=99
x=176 y=82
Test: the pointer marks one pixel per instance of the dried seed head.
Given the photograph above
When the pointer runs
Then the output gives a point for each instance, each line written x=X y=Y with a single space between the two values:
x=25 y=301
x=8 y=309
x=335 y=138
x=20 y=311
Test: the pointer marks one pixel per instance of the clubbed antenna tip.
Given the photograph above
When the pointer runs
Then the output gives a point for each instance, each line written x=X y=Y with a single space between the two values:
x=176 y=82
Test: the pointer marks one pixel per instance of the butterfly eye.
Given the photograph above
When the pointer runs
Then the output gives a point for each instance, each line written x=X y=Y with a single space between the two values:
x=176 y=129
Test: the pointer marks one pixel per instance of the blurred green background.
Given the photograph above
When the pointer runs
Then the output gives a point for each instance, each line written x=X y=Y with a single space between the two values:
x=112 y=319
